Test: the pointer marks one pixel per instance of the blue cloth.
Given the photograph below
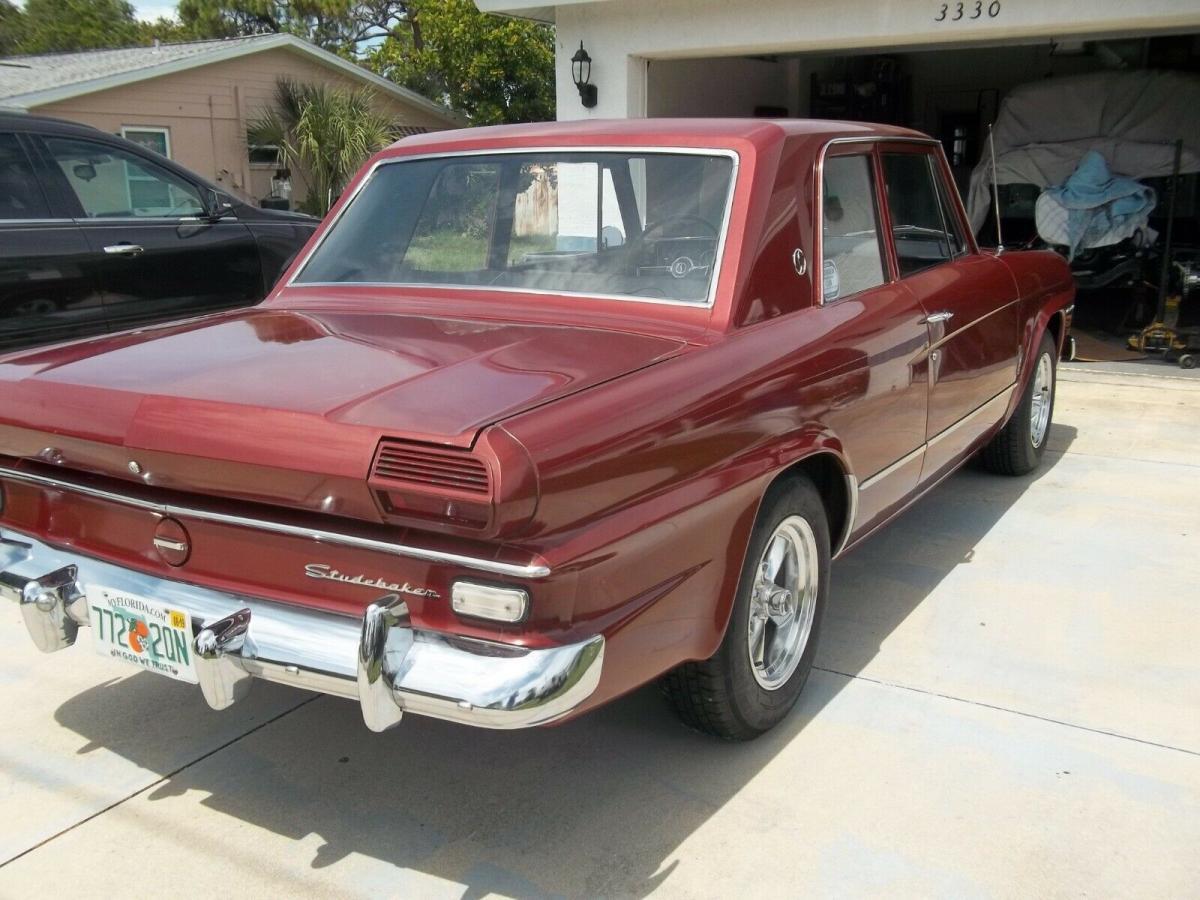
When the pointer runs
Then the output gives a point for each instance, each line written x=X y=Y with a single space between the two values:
x=1099 y=204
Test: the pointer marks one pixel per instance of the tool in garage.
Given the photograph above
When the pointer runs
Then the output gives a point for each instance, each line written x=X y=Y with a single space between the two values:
x=1175 y=330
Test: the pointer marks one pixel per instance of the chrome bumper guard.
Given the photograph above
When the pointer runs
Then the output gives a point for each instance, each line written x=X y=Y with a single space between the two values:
x=382 y=661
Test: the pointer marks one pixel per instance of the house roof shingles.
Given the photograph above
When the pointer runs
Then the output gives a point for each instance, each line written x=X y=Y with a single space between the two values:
x=21 y=75
x=30 y=81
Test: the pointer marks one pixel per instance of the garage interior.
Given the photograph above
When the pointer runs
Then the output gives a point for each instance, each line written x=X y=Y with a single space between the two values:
x=954 y=94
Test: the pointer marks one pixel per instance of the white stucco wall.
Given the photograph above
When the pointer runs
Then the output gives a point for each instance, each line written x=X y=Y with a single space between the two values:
x=621 y=35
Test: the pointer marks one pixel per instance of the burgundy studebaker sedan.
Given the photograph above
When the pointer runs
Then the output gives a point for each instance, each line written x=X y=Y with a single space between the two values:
x=542 y=413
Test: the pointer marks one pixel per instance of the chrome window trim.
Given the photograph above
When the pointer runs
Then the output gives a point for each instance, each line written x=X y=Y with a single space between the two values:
x=718 y=258
x=58 y=220
x=153 y=220
x=819 y=230
x=316 y=534
x=818 y=210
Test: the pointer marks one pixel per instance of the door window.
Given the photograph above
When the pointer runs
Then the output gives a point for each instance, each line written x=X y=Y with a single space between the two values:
x=852 y=257
x=20 y=195
x=113 y=183
x=917 y=226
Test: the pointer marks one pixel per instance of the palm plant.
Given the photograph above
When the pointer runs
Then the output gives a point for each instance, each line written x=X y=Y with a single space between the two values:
x=322 y=132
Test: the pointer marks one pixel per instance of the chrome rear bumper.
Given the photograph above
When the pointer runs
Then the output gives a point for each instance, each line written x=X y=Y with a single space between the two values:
x=380 y=660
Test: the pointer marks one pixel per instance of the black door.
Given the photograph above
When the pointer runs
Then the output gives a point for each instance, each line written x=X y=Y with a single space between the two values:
x=48 y=287
x=160 y=256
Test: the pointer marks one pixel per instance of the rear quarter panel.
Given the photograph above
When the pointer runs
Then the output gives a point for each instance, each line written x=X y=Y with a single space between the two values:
x=649 y=485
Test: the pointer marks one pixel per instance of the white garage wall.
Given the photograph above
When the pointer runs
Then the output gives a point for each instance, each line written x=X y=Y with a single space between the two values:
x=621 y=35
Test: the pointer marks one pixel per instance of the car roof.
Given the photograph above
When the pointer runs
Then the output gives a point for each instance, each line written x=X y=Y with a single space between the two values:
x=45 y=125
x=18 y=121
x=712 y=133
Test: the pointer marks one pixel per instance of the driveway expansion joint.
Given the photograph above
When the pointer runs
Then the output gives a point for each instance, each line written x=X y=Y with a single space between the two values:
x=1006 y=709
x=161 y=780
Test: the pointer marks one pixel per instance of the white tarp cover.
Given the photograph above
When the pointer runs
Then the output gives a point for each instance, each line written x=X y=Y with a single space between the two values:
x=1132 y=118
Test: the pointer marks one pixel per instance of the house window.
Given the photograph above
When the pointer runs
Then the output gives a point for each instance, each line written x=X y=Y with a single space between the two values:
x=264 y=155
x=149 y=136
x=144 y=190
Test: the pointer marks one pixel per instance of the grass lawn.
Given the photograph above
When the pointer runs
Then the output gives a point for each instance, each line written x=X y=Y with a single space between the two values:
x=453 y=251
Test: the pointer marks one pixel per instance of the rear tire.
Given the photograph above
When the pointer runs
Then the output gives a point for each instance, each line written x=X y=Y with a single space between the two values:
x=754 y=679
x=1018 y=447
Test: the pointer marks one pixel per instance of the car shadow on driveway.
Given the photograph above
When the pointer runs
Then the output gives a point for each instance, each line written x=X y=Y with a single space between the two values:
x=595 y=807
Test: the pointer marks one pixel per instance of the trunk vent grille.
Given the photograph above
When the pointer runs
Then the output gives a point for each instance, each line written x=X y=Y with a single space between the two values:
x=430 y=467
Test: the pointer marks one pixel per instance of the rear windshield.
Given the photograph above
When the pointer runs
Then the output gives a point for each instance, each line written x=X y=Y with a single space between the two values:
x=630 y=225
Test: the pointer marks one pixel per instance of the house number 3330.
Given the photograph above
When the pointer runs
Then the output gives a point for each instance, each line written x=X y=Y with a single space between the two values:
x=971 y=9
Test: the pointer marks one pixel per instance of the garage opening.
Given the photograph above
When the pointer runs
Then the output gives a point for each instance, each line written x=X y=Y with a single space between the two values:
x=954 y=94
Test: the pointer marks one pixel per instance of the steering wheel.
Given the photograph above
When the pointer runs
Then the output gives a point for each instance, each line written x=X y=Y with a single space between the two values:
x=683 y=264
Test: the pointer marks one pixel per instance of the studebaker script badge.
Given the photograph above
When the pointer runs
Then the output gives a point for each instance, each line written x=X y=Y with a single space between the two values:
x=320 y=570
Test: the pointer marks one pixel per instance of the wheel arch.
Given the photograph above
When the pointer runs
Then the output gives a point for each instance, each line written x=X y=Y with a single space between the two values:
x=1053 y=318
x=827 y=469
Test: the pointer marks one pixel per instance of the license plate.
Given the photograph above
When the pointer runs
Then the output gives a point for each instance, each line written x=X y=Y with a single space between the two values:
x=142 y=632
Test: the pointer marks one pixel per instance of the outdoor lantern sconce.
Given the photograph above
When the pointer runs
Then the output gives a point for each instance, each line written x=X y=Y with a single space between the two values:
x=581 y=71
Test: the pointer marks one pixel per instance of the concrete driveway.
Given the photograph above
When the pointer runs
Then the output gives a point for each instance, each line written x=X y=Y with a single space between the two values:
x=1007 y=703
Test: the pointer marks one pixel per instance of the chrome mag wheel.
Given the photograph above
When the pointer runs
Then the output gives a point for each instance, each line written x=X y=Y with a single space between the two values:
x=783 y=603
x=1043 y=393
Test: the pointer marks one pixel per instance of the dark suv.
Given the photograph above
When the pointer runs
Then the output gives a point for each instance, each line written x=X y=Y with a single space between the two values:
x=98 y=234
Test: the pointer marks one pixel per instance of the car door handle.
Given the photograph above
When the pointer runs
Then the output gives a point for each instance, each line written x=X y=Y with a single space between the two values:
x=124 y=249
x=942 y=316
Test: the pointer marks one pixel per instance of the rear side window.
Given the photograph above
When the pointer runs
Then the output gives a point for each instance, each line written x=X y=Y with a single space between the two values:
x=852 y=258
x=917 y=227
x=20 y=195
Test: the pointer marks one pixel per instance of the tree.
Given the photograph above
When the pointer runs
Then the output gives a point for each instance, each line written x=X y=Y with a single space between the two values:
x=341 y=26
x=12 y=26
x=492 y=68
x=323 y=133
x=495 y=69
x=49 y=26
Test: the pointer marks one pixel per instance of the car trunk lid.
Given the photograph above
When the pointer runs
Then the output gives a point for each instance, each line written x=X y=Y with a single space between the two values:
x=226 y=405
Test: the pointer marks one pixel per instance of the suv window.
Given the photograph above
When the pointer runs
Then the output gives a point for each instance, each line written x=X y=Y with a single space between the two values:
x=20 y=195
x=852 y=257
x=111 y=182
x=917 y=226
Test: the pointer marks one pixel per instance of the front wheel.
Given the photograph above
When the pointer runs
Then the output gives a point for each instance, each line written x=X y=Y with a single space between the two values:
x=1018 y=447
x=756 y=675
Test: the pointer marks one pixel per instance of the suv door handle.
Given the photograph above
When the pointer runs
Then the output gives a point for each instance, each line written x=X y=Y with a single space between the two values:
x=123 y=249
x=943 y=316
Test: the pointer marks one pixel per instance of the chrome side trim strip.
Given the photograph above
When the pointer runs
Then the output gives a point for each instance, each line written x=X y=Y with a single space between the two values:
x=946 y=432
x=888 y=470
x=987 y=315
x=851 y=514
x=316 y=534
x=984 y=407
